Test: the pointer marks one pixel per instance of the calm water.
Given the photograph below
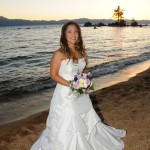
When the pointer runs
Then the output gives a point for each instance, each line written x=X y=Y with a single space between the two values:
x=25 y=53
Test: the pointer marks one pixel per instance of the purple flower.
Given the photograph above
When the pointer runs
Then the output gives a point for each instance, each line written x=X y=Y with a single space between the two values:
x=82 y=83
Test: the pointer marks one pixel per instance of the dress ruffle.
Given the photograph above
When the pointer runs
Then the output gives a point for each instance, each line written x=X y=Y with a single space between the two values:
x=69 y=131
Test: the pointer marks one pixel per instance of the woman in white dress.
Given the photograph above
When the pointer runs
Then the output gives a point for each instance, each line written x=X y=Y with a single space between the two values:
x=72 y=123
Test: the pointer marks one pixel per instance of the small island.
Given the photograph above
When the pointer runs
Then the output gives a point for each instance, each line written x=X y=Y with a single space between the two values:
x=121 y=22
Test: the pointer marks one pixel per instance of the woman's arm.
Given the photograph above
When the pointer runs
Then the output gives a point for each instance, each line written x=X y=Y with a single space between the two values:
x=54 y=69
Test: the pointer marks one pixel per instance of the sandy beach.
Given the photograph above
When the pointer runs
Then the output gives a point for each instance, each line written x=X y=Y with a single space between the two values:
x=124 y=105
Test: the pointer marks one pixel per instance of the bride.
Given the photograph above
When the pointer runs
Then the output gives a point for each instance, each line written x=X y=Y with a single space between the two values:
x=72 y=123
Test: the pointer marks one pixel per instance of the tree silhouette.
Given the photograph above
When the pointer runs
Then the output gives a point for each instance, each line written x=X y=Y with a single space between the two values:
x=134 y=22
x=118 y=13
x=87 y=24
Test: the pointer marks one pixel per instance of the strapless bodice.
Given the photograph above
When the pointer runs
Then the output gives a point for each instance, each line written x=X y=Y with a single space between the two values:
x=68 y=69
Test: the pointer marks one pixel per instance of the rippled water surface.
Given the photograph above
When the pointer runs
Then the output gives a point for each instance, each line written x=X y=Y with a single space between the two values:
x=25 y=53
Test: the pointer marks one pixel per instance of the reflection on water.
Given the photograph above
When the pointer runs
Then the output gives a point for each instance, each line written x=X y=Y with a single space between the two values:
x=25 y=53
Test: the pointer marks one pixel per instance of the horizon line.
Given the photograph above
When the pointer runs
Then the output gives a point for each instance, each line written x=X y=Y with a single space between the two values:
x=70 y=19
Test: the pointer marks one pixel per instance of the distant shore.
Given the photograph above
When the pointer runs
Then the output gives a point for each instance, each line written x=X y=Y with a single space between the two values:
x=22 y=22
x=124 y=105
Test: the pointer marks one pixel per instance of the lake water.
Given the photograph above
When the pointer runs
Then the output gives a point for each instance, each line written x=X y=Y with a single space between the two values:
x=25 y=53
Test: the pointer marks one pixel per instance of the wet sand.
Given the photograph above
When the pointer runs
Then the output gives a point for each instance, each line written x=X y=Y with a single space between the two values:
x=22 y=106
x=125 y=105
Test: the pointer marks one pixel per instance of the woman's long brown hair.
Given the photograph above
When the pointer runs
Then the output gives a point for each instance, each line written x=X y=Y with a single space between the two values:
x=78 y=45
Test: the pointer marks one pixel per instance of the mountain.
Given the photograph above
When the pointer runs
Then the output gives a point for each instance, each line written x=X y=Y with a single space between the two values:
x=21 y=22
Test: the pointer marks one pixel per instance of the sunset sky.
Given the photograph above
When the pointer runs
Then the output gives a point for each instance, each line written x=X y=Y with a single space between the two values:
x=72 y=9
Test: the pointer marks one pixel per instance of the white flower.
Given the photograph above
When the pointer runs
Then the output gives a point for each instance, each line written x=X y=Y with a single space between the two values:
x=82 y=83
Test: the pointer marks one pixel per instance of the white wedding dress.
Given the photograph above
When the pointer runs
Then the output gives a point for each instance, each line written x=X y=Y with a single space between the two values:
x=72 y=123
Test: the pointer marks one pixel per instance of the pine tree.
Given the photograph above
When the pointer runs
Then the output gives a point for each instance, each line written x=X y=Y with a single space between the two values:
x=118 y=13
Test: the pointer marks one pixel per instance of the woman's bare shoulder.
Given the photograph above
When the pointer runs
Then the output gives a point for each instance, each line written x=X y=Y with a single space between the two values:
x=58 y=55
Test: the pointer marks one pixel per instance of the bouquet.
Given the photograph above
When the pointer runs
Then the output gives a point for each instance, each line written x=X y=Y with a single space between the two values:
x=82 y=83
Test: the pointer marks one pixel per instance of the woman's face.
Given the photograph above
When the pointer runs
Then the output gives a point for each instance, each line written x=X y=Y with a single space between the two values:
x=72 y=35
